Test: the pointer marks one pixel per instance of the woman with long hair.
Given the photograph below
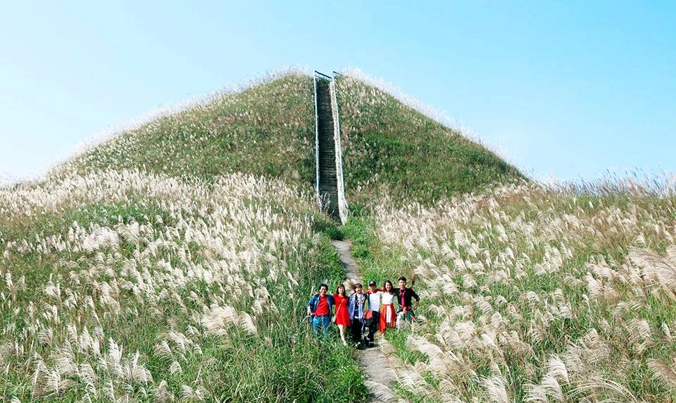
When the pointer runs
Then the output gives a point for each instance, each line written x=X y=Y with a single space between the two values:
x=342 y=317
x=388 y=316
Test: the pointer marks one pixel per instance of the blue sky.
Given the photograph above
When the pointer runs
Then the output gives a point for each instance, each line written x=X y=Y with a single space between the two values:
x=565 y=89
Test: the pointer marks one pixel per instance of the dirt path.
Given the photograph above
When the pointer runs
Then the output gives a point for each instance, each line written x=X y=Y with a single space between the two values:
x=380 y=376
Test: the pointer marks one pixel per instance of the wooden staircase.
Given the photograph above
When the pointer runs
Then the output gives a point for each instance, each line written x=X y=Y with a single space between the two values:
x=328 y=153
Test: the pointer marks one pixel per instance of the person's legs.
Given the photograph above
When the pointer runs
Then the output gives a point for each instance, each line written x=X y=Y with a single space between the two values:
x=326 y=321
x=409 y=315
x=341 y=329
x=315 y=325
x=355 y=327
x=373 y=326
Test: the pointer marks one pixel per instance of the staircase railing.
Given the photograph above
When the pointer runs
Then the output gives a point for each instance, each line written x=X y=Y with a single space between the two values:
x=319 y=196
x=342 y=201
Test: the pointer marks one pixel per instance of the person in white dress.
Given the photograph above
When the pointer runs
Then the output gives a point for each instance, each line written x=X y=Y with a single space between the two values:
x=388 y=316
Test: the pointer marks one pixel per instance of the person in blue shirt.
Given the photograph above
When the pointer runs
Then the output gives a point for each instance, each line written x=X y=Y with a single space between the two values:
x=319 y=309
x=355 y=307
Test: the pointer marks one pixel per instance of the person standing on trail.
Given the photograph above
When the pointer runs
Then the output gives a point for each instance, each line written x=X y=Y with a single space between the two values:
x=388 y=317
x=342 y=316
x=355 y=307
x=372 y=323
x=319 y=309
x=404 y=298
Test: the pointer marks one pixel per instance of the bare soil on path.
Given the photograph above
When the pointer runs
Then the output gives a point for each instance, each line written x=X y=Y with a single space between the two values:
x=380 y=376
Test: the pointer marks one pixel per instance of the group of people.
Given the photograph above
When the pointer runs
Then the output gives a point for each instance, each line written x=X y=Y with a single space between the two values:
x=362 y=312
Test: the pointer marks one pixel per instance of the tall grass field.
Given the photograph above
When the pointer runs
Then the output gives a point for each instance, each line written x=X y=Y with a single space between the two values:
x=533 y=294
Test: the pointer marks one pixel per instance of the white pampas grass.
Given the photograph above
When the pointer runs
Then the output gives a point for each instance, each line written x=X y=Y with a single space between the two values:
x=665 y=372
x=496 y=386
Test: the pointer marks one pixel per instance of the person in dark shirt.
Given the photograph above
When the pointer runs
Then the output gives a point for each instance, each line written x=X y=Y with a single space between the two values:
x=405 y=297
x=355 y=306
x=319 y=308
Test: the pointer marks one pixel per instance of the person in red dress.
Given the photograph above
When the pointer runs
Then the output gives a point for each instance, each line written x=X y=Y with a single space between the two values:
x=342 y=316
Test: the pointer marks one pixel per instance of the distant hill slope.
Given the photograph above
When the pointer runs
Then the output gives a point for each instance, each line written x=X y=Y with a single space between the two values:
x=265 y=130
x=392 y=149
x=268 y=130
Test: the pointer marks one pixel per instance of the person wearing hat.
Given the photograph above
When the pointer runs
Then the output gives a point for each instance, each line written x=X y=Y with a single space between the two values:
x=374 y=295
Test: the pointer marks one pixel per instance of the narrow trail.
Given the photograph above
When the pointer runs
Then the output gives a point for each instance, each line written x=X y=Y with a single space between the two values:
x=380 y=375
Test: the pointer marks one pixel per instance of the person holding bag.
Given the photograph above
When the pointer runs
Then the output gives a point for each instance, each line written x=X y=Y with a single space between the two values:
x=341 y=317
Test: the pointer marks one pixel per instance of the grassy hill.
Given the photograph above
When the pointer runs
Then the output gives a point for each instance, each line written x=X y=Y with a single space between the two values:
x=265 y=130
x=173 y=263
x=268 y=130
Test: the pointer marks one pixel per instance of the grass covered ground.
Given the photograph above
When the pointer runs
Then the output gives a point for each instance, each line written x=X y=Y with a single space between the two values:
x=137 y=287
x=173 y=263
x=266 y=129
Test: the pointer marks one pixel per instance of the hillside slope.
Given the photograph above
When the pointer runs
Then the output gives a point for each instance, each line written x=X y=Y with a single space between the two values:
x=140 y=287
x=265 y=130
x=394 y=151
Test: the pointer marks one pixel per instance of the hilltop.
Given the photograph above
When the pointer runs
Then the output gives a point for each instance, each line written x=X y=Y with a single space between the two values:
x=267 y=130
